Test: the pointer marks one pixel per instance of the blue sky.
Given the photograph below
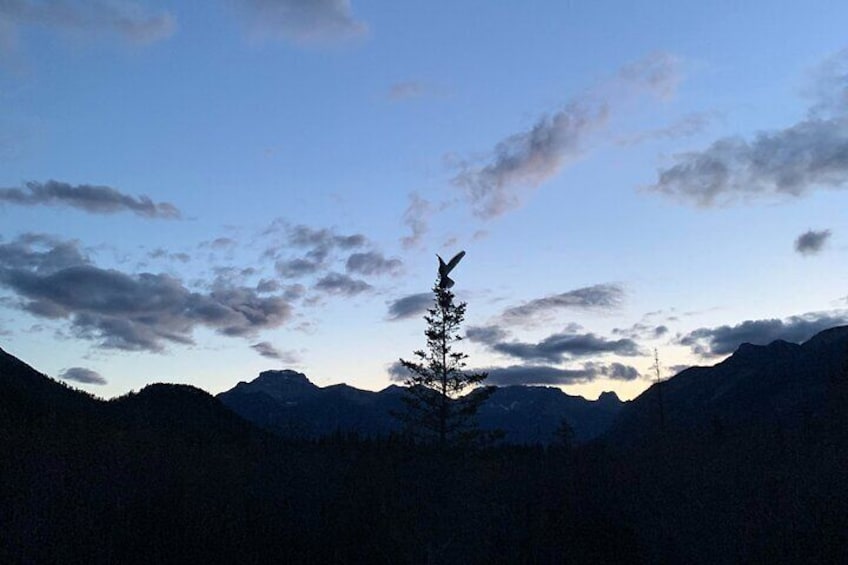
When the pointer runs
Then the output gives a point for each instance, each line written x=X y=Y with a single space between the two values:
x=195 y=192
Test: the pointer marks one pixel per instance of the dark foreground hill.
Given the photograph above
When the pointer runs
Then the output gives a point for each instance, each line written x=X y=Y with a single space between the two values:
x=288 y=404
x=169 y=475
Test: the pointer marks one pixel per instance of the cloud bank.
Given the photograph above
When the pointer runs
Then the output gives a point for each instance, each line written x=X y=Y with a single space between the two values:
x=135 y=312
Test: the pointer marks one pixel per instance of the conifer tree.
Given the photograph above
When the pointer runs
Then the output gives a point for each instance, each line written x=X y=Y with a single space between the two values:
x=436 y=408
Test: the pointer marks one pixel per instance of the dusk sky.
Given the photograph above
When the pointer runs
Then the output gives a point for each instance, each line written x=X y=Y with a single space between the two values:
x=194 y=192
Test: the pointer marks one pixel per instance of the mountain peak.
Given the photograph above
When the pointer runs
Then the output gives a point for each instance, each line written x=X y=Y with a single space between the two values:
x=286 y=375
x=285 y=384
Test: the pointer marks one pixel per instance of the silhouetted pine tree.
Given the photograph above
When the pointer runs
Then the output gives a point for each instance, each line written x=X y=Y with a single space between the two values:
x=442 y=399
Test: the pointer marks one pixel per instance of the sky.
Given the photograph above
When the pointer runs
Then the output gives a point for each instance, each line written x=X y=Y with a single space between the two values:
x=194 y=192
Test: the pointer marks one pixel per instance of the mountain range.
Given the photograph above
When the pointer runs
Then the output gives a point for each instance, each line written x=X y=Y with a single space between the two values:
x=287 y=403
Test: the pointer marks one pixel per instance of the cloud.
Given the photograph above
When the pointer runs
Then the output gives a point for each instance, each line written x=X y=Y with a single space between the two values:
x=488 y=335
x=790 y=162
x=122 y=18
x=337 y=283
x=642 y=331
x=407 y=89
x=266 y=349
x=319 y=246
x=296 y=268
x=687 y=126
x=599 y=296
x=657 y=73
x=93 y=199
x=410 y=306
x=137 y=312
x=522 y=161
x=723 y=340
x=372 y=263
x=302 y=21
x=544 y=375
x=82 y=375
x=558 y=347
x=416 y=217
x=811 y=242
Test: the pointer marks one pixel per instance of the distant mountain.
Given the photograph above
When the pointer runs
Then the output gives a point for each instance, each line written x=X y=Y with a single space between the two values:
x=777 y=384
x=287 y=403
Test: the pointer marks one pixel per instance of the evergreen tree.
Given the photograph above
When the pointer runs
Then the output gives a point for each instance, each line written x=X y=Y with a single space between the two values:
x=437 y=409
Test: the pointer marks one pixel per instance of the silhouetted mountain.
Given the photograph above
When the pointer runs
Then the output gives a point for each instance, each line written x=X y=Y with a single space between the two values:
x=29 y=398
x=777 y=384
x=286 y=403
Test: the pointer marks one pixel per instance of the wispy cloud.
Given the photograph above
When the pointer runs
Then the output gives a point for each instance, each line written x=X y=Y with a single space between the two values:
x=522 y=161
x=723 y=340
x=302 y=21
x=266 y=349
x=90 y=198
x=407 y=89
x=82 y=375
x=416 y=217
x=595 y=297
x=125 y=19
x=812 y=241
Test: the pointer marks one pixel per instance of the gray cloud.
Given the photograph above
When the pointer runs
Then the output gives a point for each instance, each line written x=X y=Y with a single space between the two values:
x=128 y=311
x=790 y=162
x=372 y=263
x=266 y=349
x=82 y=375
x=93 y=199
x=559 y=347
x=410 y=306
x=544 y=375
x=812 y=241
x=337 y=283
x=599 y=296
x=723 y=340
x=803 y=157
x=523 y=161
x=416 y=217
x=488 y=335
x=125 y=19
x=302 y=21
x=642 y=331
x=296 y=268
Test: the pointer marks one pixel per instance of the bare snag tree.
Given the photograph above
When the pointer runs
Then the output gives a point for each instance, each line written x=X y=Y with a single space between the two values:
x=442 y=398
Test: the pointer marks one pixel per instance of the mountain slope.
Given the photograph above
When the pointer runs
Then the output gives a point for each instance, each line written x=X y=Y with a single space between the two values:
x=777 y=384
